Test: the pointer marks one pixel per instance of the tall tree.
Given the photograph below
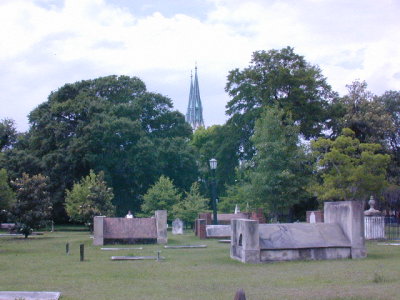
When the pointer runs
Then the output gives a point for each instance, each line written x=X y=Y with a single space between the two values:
x=391 y=102
x=219 y=142
x=282 y=78
x=280 y=173
x=365 y=114
x=8 y=133
x=7 y=196
x=349 y=169
x=33 y=206
x=111 y=124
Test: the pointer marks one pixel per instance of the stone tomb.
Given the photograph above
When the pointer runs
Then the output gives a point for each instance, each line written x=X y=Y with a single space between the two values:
x=131 y=230
x=340 y=236
x=177 y=226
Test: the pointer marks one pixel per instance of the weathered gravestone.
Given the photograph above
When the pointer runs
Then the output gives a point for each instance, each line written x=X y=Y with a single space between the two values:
x=177 y=226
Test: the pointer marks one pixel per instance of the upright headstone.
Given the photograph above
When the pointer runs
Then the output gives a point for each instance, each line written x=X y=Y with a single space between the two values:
x=312 y=217
x=177 y=226
x=161 y=223
x=237 y=209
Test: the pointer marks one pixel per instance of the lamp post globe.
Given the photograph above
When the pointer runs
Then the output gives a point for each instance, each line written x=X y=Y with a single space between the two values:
x=213 y=167
x=213 y=163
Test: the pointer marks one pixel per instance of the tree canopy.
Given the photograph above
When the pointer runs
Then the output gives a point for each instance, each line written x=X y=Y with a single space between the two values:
x=280 y=174
x=349 y=169
x=7 y=196
x=188 y=208
x=88 y=198
x=163 y=195
x=279 y=78
x=33 y=206
x=111 y=124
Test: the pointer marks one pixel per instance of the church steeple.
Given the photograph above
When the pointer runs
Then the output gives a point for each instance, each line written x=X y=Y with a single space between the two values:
x=194 y=115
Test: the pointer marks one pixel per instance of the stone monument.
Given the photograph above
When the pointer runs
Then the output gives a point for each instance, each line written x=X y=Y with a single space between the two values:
x=177 y=226
x=340 y=236
x=374 y=222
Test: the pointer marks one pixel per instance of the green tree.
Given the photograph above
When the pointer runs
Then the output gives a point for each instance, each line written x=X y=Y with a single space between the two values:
x=349 y=169
x=278 y=78
x=89 y=198
x=7 y=196
x=219 y=142
x=111 y=124
x=391 y=102
x=161 y=196
x=365 y=114
x=188 y=208
x=8 y=133
x=33 y=206
x=280 y=174
x=238 y=193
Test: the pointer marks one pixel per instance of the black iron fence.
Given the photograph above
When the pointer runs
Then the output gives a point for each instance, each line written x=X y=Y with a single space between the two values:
x=392 y=227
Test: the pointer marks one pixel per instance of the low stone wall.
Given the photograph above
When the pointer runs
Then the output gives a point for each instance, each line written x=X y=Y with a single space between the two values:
x=341 y=236
x=131 y=230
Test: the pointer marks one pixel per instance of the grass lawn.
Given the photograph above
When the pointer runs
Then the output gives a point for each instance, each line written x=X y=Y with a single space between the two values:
x=40 y=263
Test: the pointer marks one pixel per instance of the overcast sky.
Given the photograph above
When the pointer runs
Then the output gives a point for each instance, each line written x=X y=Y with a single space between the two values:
x=47 y=43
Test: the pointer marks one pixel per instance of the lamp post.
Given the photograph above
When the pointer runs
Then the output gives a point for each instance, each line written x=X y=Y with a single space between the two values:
x=213 y=167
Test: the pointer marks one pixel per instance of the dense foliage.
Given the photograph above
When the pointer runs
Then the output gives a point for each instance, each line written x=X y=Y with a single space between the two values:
x=88 y=198
x=33 y=206
x=111 y=124
x=279 y=78
x=190 y=206
x=131 y=138
x=349 y=169
x=7 y=196
x=161 y=196
x=280 y=173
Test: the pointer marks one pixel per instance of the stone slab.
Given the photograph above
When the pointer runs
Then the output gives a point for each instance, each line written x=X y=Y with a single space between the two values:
x=185 y=246
x=10 y=234
x=389 y=244
x=224 y=241
x=12 y=295
x=218 y=231
x=116 y=249
x=305 y=254
x=302 y=235
x=136 y=257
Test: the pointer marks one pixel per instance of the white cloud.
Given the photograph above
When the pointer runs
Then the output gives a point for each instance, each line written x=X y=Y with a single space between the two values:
x=45 y=46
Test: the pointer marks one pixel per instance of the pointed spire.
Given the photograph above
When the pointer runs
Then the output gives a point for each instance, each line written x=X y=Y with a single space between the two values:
x=194 y=115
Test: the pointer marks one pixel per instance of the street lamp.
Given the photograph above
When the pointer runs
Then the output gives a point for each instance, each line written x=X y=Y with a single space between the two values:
x=213 y=166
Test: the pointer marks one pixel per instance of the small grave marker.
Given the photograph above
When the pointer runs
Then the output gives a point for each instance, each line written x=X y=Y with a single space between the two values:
x=67 y=248
x=177 y=226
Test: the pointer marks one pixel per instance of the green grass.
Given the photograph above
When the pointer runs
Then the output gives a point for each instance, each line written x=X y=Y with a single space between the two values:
x=40 y=263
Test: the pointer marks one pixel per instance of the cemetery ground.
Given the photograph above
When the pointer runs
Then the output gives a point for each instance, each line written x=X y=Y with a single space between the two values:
x=40 y=263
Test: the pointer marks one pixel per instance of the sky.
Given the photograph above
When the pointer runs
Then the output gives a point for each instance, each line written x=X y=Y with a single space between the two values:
x=48 y=43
